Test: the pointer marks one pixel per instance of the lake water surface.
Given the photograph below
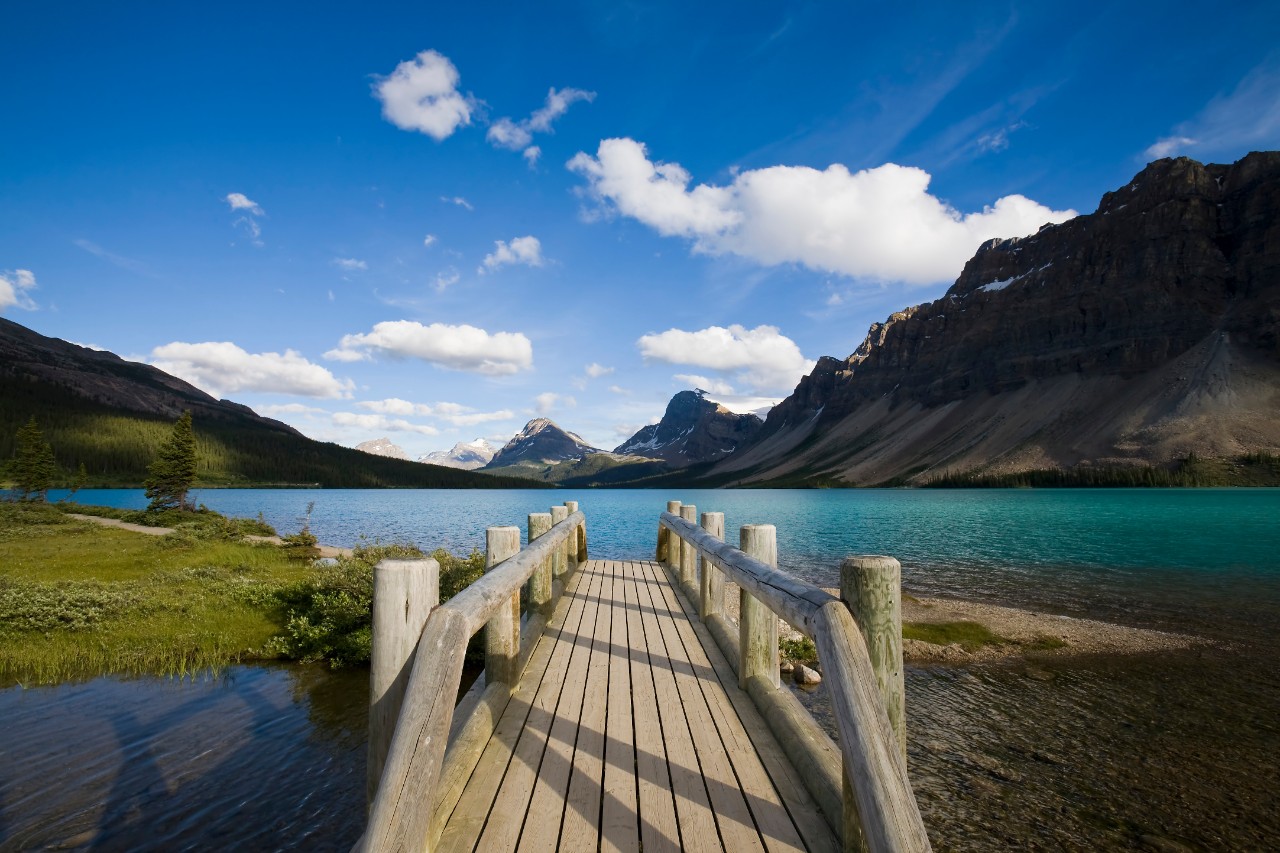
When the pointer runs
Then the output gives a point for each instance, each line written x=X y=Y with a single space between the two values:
x=1077 y=754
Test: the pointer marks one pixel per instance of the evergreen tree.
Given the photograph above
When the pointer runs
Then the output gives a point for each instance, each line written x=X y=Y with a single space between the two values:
x=79 y=482
x=174 y=470
x=33 y=467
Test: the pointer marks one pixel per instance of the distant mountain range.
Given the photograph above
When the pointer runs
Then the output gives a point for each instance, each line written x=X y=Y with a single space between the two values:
x=110 y=414
x=468 y=455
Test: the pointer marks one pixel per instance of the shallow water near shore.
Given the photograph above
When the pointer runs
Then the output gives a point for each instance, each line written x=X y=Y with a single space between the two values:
x=1061 y=753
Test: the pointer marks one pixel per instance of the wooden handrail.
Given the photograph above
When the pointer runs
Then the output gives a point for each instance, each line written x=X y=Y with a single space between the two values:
x=885 y=815
x=400 y=817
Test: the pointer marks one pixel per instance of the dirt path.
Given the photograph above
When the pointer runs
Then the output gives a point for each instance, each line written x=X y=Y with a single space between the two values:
x=325 y=550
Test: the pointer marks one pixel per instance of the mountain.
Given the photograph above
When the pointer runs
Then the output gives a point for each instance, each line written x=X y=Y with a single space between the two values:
x=468 y=455
x=110 y=414
x=541 y=442
x=1143 y=334
x=693 y=429
x=382 y=447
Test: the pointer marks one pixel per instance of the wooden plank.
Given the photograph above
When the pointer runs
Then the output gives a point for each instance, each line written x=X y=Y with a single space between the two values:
x=693 y=808
x=733 y=816
x=467 y=822
x=659 y=828
x=620 y=817
x=546 y=805
x=728 y=702
x=582 y=812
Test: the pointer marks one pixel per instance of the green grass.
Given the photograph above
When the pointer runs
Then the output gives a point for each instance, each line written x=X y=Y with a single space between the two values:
x=969 y=635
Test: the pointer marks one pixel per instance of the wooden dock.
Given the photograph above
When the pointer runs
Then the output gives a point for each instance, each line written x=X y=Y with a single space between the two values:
x=627 y=730
x=620 y=710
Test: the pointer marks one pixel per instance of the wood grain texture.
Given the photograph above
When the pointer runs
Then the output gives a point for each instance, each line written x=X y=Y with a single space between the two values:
x=871 y=587
x=757 y=624
x=710 y=578
x=688 y=554
x=502 y=630
x=538 y=587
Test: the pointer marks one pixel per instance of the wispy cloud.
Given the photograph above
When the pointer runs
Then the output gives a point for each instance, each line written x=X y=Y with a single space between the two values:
x=110 y=257
x=518 y=135
x=247 y=222
x=1231 y=124
x=15 y=290
x=350 y=264
x=457 y=200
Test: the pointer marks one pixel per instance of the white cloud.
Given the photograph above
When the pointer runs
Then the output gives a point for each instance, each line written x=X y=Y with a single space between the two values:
x=381 y=423
x=457 y=200
x=240 y=201
x=222 y=368
x=452 y=413
x=110 y=257
x=595 y=371
x=350 y=264
x=879 y=223
x=422 y=94
x=446 y=279
x=15 y=287
x=276 y=409
x=395 y=406
x=1247 y=119
x=515 y=135
x=521 y=250
x=618 y=389
x=455 y=347
x=531 y=155
x=428 y=240
x=761 y=358
x=547 y=402
x=706 y=383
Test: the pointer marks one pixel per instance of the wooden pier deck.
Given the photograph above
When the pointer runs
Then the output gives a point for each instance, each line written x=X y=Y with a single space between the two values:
x=628 y=730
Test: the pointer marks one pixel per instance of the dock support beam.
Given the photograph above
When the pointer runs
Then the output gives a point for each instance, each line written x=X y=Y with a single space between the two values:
x=404 y=591
x=539 y=585
x=711 y=579
x=758 y=625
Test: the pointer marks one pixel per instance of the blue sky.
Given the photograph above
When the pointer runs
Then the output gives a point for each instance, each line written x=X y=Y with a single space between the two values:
x=434 y=223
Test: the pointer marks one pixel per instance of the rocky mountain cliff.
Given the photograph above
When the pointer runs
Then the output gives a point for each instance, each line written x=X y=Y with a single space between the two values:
x=465 y=455
x=693 y=429
x=1138 y=334
x=541 y=442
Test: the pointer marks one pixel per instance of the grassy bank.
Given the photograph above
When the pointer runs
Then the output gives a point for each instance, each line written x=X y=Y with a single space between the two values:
x=78 y=600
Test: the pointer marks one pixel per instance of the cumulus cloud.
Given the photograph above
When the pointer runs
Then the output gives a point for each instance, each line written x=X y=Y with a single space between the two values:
x=381 y=423
x=706 y=383
x=350 y=264
x=15 y=288
x=422 y=94
x=222 y=368
x=1231 y=124
x=547 y=402
x=240 y=201
x=521 y=250
x=762 y=358
x=428 y=240
x=518 y=135
x=595 y=371
x=880 y=224
x=453 y=413
x=454 y=347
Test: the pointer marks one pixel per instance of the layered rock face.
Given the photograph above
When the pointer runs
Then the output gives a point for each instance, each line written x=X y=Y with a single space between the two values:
x=466 y=456
x=383 y=447
x=1135 y=334
x=693 y=429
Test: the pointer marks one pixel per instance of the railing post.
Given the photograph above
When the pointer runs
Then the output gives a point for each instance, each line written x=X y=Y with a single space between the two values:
x=688 y=554
x=711 y=600
x=673 y=541
x=758 y=625
x=571 y=548
x=539 y=584
x=404 y=591
x=502 y=632
x=560 y=560
x=871 y=587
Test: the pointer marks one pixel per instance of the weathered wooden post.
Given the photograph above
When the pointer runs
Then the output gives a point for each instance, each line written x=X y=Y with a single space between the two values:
x=758 y=626
x=671 y=541
x=539 y=583
x=871 y=587
x=502 y=631
x=689 y=554
x=560 y=559
x=711 y=600
x=571 y=549
x=404 y=591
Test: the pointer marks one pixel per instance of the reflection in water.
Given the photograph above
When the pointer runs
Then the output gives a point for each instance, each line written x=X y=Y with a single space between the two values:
x=256 y=758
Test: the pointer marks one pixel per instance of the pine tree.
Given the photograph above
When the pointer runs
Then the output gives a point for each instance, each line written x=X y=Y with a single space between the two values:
x=33 y=467
x=174 y=470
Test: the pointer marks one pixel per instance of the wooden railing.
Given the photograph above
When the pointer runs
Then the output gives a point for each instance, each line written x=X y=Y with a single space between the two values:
x=861 y=785
x=421 y=748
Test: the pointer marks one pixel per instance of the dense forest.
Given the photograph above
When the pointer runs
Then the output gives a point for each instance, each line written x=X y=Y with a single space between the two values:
x=116 y=447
